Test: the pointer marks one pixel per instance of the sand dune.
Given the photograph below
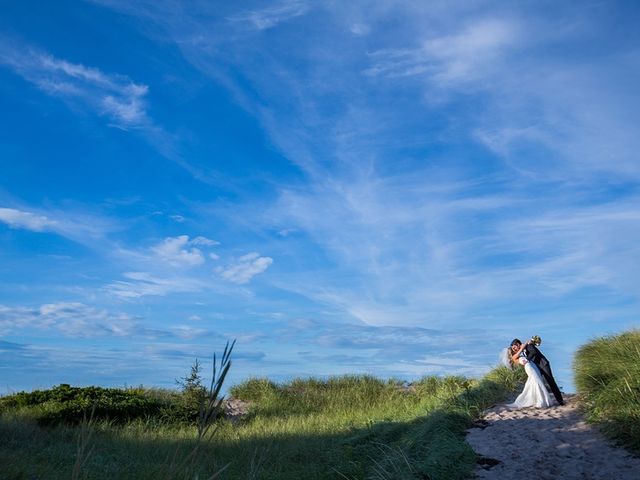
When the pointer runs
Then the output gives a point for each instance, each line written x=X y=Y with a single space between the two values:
x=556 y=443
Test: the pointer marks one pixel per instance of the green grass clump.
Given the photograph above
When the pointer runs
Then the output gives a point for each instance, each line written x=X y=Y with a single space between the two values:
x=434 y=447
x=313 y=395
x=607 y=377
x=361 y=427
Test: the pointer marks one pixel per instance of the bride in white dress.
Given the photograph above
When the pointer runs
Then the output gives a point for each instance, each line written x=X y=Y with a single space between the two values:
x=535 y=393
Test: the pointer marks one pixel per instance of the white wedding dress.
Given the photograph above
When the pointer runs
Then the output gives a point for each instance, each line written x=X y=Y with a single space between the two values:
x=535 y=393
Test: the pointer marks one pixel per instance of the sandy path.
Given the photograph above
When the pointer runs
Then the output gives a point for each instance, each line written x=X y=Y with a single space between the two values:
x=554 y=442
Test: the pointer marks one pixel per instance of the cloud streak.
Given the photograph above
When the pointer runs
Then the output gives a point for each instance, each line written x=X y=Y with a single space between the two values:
x=113 y=96
x=262 y=19
x=68 y=318
x=462 y=57
x=85 y=228
x=140 y=284
x=26 y=220
x=245 y=268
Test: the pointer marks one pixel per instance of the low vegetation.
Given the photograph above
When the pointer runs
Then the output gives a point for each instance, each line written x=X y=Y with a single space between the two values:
x=607 y=377
x=66 y=404
x=349 y=427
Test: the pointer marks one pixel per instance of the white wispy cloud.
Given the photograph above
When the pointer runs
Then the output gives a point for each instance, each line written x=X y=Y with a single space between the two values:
x=77 y=225
x=180 y=251
x=245 y=268
x=113 y=96
x=204 y=241
x=117 y=98
x=26 y=220
x=273 y=15
x=390 y=349
x=168 y=267
x=140 y=284
x=189 y=332
x=573 y=248
x=68 y=318
x=453 y=57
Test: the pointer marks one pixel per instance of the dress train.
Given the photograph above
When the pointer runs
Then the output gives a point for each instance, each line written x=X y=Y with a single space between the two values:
x=535 y=393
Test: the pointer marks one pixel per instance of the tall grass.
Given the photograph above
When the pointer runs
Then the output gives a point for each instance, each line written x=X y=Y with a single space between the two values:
x=607 y=377
x=349 y=427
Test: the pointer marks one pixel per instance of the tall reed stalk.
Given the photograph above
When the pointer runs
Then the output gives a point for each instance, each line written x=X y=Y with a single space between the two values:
x=210 y=409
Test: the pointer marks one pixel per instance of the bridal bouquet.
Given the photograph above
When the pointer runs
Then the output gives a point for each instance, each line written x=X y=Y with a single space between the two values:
x=536 y=340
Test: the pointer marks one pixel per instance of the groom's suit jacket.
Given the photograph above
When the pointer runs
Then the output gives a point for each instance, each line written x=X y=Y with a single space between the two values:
x=534 y=355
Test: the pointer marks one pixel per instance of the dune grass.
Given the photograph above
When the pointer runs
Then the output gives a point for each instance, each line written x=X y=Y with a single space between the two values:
x=353 y=427
x=607 y=377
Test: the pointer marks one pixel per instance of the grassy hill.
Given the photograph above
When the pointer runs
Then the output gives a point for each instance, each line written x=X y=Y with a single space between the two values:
x=349 y=427
x=607 y=377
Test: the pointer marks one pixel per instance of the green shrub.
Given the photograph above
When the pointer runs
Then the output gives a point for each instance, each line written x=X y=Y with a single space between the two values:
x=607 y=376
x=67 y=404
x=193 y=397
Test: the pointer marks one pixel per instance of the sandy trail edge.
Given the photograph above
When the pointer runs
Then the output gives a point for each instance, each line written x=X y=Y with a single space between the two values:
x=554 y=443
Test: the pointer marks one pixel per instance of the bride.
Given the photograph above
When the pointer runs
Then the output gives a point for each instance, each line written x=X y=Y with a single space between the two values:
x=534 y=393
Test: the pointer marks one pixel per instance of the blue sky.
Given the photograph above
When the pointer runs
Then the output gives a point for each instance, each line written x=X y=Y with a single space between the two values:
x=389 y=187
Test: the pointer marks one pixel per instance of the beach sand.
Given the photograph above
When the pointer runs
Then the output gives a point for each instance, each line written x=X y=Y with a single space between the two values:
x=555 y=442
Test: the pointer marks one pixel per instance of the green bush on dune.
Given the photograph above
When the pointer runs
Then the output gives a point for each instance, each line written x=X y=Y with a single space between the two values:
x=72 y=405
x=65 y=404
x=607 y=377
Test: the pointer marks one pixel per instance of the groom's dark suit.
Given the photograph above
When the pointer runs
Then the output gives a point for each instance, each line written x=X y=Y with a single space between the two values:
x=534 y=355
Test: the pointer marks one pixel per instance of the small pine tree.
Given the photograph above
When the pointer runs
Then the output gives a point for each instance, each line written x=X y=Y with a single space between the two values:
x=194 y=393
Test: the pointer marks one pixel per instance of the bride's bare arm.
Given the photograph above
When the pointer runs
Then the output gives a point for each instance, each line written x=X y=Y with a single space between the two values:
x=515 y=356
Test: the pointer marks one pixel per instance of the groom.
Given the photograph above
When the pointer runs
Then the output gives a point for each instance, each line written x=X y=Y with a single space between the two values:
x=534 y=355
